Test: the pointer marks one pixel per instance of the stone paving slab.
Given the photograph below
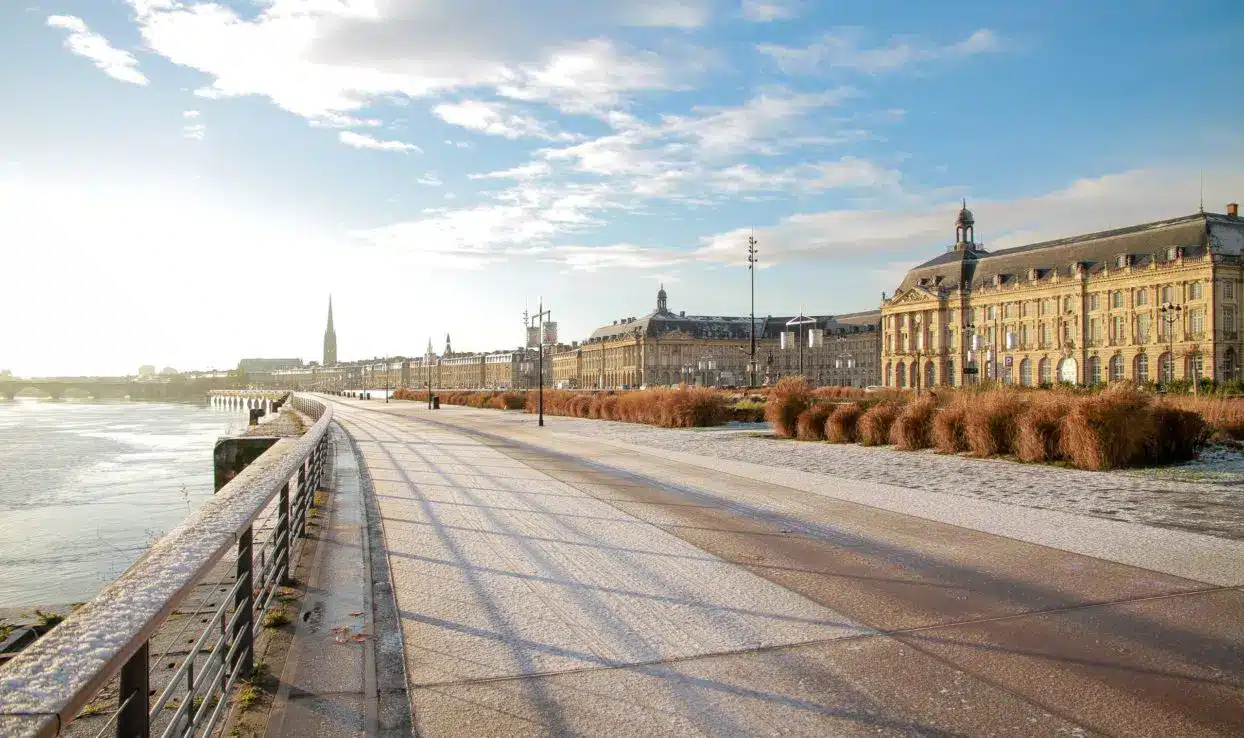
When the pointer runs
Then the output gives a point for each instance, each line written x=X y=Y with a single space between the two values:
x=857 y=687
x=627 y=593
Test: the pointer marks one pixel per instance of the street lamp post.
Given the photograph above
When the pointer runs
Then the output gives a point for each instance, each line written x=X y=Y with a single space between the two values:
x=800 y=321
x=751 y=268
x=1170 y=313
x=538 y=318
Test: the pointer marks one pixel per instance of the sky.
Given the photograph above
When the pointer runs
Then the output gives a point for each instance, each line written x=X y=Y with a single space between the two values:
x=183 y=183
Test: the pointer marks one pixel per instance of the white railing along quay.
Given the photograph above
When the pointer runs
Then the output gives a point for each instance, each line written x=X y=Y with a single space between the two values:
x=253 y=520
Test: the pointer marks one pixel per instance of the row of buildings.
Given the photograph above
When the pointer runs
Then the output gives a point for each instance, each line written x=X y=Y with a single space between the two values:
x=1151 y=302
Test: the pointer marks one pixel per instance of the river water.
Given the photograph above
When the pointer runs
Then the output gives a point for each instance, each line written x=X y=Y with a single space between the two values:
x=85 y=487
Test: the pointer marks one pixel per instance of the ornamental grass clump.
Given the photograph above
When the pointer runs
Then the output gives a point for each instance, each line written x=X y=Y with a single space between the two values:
x=913 y=428
x=950 y=430
x=1178 y=435
x=1041 y=428
x=991 y=422
x=1110 y=430
x=786 y=402
x=842 y=425
x=810 y=425
x=692 y=407
x=876 y=422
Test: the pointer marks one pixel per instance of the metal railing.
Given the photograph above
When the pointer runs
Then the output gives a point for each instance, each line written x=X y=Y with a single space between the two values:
x=257 y=518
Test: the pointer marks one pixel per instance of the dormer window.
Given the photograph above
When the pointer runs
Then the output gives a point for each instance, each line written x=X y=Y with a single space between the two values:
x=1122 y=260
x=997 y=280
x=1173 y=253
x=1034 y=275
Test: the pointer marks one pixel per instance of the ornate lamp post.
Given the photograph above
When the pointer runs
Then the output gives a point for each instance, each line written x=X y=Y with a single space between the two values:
x=1170 y=313
x=751 y=268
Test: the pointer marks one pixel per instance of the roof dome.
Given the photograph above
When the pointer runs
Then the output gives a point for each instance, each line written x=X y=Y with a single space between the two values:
x=965 y=216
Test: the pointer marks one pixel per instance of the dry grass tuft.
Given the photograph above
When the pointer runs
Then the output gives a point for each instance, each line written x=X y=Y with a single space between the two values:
x=787 y=400
x=991 y=421
x=842 y=426
x=874 y=425
x=1178 y=435
x=913 y=429
x=950 y=427
x=1041 y=428
x=810 y=426
x=1110 y=430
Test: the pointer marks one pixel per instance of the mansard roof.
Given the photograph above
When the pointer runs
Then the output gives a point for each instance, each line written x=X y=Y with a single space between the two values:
x=737 y=328
x=973 y=267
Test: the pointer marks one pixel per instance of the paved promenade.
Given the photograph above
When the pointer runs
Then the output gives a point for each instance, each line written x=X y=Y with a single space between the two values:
x=546 y=583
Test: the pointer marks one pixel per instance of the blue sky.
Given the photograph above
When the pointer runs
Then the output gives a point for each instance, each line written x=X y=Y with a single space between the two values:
x=183 y=182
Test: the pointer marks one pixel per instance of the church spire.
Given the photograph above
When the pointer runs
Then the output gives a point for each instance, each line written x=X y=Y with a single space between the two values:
x=330 y=337
x=662 y=300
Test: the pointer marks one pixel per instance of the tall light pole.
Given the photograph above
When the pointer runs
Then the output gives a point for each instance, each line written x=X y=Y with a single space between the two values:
x=539 y=317
x=751 y=268
x=800 y=321
x=1170 y=313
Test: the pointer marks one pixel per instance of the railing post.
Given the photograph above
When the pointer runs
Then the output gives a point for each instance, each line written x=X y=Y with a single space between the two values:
x=282 y=553
x=133 y=720
x=244 y=601
x=302 y=499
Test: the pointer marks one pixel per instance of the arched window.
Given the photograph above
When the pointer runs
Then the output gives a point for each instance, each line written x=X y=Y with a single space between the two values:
x=1045 y=373
x=902 y=376
x=889 y=375
x=950 y=373
x=930 y=375
x=1116 y=368
x=1025 y=372
x=1229 y=370
x=1195 y=365
x=1141 y=373
x=1094 y=370
x=1167 y=367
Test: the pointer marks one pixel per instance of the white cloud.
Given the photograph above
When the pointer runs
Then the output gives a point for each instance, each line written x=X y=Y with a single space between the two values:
x=495 y=119
x=847 y=172
x=430 y=179
x=842 y=49
x=363 y=141
x=531 y=170
x=190 y=114
x=764 y=11
x=327 y=60
x=590 y=77
x=196 y=131
x=613 y=256
x=910 y=230
x=84 y=42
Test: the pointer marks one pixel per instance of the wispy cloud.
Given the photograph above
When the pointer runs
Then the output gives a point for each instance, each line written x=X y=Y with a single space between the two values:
x=843 y=49
x=429 y=179
x=495 y=119
x=765 y=11
x=363 y=141
x=84 y=42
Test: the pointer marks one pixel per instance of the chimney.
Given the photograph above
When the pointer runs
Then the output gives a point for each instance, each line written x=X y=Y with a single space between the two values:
x=1233 y=209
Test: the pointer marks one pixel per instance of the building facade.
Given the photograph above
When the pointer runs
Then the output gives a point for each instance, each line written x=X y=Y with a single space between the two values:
x=1152 y=302
x=664 y=349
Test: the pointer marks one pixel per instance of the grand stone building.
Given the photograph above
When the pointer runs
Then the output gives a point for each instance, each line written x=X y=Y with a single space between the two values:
x=1151 y=302
x=664 y=348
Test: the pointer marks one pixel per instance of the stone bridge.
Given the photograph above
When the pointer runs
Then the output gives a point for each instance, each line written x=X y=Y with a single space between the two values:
x=108 y=389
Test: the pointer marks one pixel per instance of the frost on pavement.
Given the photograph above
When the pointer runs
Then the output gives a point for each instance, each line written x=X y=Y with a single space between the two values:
x=78 y=657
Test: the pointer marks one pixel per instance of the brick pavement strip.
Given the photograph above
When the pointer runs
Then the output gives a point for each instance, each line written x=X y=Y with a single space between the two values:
x=550 y=584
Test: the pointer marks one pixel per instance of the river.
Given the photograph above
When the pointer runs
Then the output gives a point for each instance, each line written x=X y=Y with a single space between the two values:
x=85 y=487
